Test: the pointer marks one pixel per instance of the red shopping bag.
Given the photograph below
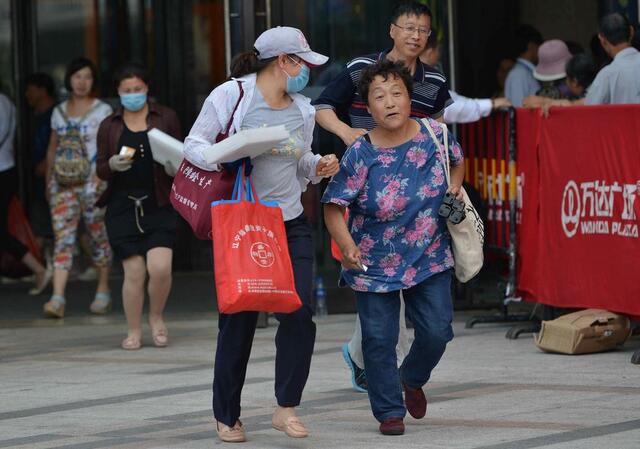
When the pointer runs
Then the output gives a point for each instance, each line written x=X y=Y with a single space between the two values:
x=252 y=265
x=18 y=226
x=194 y=189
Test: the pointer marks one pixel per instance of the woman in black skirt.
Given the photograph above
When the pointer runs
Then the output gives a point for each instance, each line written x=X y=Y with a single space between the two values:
x=141 y=223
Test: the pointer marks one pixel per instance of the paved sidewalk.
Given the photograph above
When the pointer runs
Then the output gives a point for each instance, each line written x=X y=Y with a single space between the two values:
x=67 y=385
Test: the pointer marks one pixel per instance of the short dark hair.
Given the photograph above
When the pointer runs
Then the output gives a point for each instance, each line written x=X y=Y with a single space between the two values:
x=385 y=69
x=409 y=8
x=615 y=28
x=43 y=80
x=526 y=34
x=582 y=69
x=79 y=64
x=433 y=40
x=131 y=70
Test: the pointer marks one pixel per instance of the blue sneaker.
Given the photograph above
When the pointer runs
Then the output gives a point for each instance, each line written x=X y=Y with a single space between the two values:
x=358 y=376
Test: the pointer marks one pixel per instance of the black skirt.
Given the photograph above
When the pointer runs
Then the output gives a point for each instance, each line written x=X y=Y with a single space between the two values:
x=135 y=224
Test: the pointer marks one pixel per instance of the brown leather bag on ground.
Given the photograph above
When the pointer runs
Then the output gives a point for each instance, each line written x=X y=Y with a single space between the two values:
x=584 y=332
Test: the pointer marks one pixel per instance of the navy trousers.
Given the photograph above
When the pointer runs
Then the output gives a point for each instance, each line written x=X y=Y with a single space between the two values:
x=295 y=338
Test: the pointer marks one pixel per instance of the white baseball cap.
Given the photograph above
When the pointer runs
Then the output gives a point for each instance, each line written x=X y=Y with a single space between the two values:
x=286 y=40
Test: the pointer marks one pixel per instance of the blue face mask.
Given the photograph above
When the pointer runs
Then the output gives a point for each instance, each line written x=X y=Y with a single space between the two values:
x=133 y=102
x=298 y=82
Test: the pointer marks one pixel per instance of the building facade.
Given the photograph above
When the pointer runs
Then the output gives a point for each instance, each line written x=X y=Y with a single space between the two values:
x=188 y=44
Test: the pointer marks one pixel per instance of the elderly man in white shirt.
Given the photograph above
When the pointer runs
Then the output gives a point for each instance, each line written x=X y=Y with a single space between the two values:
x=618 y=82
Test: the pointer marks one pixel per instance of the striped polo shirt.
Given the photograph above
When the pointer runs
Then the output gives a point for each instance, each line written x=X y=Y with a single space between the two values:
x=429 y=99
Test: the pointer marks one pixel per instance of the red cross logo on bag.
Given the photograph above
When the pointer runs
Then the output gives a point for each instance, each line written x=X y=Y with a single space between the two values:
x=262 y=254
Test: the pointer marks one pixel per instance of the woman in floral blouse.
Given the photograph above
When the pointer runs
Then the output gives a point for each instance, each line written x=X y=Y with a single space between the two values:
x=392 y=180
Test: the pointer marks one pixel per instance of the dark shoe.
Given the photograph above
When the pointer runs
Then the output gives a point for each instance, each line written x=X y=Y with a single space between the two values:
x=392 y=426
x=358 y=376
x=415 y=401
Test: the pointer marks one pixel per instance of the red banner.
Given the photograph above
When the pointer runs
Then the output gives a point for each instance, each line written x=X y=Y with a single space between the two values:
x=579 y=214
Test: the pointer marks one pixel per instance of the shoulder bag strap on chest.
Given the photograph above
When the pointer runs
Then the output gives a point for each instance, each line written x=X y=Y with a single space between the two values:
x=233 y=113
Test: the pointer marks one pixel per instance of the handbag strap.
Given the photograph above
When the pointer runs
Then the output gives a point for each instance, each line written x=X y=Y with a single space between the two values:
x=222 y=136
x=444 y=153
x=243 y=187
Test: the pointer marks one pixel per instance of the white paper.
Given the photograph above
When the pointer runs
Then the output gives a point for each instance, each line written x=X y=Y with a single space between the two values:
x=165 y=148
x=250 y=142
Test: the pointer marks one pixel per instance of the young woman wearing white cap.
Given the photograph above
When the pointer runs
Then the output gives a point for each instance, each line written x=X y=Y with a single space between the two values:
x=264 y=86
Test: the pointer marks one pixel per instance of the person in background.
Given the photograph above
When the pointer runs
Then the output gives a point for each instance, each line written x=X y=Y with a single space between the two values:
x=40 y=96
x=618 y=82
x=580 y=72
x=410 y=31
x=463 y=109
x=77 y=118
x=392 y=181
x=8 y=188
x=520 y=81
x=504 y=67
x=271 y=76
x=553 y=56
x=141 y=223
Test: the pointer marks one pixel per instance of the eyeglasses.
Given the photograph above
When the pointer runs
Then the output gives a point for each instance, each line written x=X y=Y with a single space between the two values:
x=410 y=30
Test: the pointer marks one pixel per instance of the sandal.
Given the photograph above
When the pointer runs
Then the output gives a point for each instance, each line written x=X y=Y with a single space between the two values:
x=42 y=282
x=54 y=308
x=131 y=343
x=101 y=304
x=160 y=336
x=233 y=434
x=291 y=426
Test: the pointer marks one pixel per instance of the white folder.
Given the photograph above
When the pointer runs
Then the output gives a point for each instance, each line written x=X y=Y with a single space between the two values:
x=165 y=148
x=250 y=142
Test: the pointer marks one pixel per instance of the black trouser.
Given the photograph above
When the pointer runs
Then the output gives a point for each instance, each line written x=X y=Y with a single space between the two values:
x=294 y=339
x=8 y=187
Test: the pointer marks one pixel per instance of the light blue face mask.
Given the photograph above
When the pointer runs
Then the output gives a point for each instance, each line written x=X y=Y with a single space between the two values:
x=133 y=102
x=298 y=82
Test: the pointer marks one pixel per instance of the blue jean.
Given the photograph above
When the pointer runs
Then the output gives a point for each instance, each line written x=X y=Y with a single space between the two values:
x=428 y=306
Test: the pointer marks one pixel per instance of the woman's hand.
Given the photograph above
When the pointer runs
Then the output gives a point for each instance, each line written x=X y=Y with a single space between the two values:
x=120 y=163
x=352 y=258
x=456 y=190
x=327 y=166
x=350 y=135
x=533 y=101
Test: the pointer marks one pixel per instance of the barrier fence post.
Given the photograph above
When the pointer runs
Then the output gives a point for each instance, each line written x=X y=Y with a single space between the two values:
x=504 y=238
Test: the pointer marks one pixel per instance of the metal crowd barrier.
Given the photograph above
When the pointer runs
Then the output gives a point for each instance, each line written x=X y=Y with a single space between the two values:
x=490 y=151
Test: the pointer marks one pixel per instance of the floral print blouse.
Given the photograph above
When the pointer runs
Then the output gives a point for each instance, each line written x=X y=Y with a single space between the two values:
x=393 y=196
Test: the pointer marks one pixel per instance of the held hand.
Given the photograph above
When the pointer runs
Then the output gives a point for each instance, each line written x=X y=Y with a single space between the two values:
x=501 y=102
x=351 y=134
x=533 y=101
x=352 y=258
x=456 y=190
x=327 y=166
x=120 y=163
x=170 y=169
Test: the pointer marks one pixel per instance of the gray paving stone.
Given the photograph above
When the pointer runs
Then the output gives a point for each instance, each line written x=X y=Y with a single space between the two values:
x=68 y=386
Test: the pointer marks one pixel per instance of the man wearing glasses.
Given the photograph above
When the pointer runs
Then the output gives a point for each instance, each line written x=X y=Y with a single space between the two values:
x=410 y=29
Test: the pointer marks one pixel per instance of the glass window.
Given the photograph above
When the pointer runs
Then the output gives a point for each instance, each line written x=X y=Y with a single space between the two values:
x=208 y=47
x=105 y=32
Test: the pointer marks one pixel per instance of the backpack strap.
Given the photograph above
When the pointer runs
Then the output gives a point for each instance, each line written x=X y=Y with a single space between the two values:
x=65 y=117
